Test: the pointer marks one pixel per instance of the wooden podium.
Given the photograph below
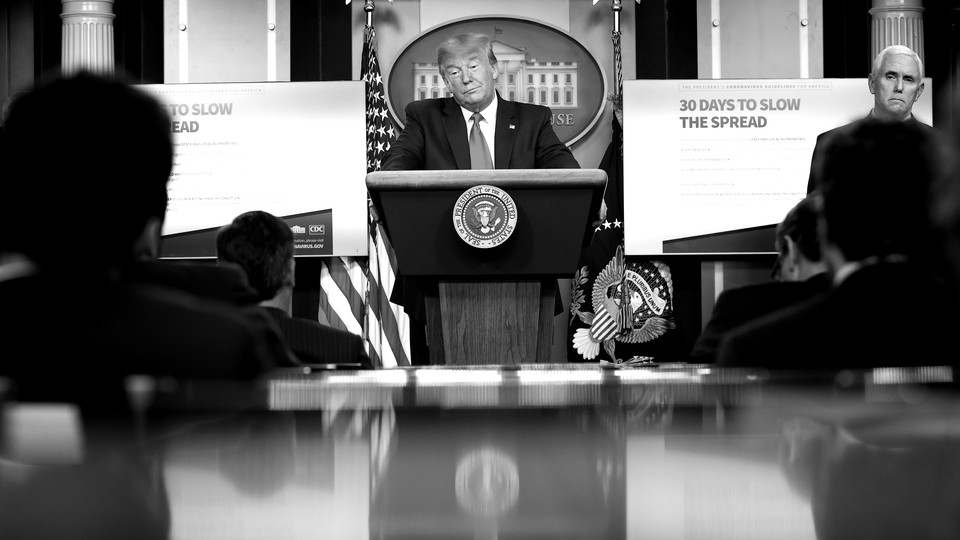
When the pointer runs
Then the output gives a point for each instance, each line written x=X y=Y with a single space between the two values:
x=495 y=304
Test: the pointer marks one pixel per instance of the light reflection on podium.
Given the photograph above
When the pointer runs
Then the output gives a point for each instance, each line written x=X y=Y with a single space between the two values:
x=523 y=472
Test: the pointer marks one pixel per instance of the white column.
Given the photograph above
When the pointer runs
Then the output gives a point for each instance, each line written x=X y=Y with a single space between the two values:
x=897 y=22
x=87 y=36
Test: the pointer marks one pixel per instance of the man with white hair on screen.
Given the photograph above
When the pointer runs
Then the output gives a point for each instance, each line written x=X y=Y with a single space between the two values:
x=896 y=82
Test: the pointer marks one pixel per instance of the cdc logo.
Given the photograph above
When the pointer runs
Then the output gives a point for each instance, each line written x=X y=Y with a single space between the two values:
x=317 y=230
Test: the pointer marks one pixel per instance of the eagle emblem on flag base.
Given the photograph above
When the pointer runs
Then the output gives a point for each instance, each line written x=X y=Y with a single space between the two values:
x=632 y=303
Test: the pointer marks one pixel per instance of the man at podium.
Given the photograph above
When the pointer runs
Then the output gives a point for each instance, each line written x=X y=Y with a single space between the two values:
x=453 y=132
x=474 y=129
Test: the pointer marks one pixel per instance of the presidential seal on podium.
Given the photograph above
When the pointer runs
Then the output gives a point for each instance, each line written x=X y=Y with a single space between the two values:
x=485 y=216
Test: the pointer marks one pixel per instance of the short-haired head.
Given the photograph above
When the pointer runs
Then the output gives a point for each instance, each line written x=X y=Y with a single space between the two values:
x=875 y=181
x=86 y=154
x=464 y=44
x=262 y=245
x=800 y=225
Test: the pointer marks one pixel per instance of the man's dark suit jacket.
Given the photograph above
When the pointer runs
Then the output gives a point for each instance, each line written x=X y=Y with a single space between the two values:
x=314 y=343
x=72 y=338
x=735 y=307
x=887 y=314
x=223 y=282
x=824 y=139
x=434 y=137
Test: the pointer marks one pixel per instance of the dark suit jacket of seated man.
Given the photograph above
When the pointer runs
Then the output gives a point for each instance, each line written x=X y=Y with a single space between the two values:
x=800 y=271
x=315 y=343
x=121 y=328
x=866 y=321
x=224 y=283
x=228 y=283
x=736 y=307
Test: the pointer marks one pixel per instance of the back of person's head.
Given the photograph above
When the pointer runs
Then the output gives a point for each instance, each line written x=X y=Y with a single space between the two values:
x=875 y=181
x=800 y=225
x=462 y=44
x=797 y=242
x=88 y=160
x=262 y=245
x=895 y=49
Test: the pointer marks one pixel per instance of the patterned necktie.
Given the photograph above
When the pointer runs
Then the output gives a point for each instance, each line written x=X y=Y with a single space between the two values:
x=479 y=151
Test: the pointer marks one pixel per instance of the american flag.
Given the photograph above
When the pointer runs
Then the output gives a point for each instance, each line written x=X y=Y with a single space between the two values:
x=387 y=325
x=342 y=282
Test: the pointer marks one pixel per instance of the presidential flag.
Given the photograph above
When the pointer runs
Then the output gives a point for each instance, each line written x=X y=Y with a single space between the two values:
x=621 y=309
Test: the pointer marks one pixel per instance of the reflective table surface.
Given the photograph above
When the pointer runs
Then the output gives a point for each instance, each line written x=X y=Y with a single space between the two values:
x=666 y=452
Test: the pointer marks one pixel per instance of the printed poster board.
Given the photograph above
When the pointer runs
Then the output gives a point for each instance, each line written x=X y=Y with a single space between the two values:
x=294 y=149
x=708 y=163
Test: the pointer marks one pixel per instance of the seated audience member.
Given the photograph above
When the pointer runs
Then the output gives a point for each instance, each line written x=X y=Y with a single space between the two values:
x=221 y=282
x=888 y=304
x=800 y=271
x=94 y=154
x=262 y=245
x=226 y=283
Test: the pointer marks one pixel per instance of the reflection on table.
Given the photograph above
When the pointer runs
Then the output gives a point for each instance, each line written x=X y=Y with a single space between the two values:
x=532 y=452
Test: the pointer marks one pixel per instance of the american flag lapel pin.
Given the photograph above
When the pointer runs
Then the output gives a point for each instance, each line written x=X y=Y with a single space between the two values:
x=512 y=126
